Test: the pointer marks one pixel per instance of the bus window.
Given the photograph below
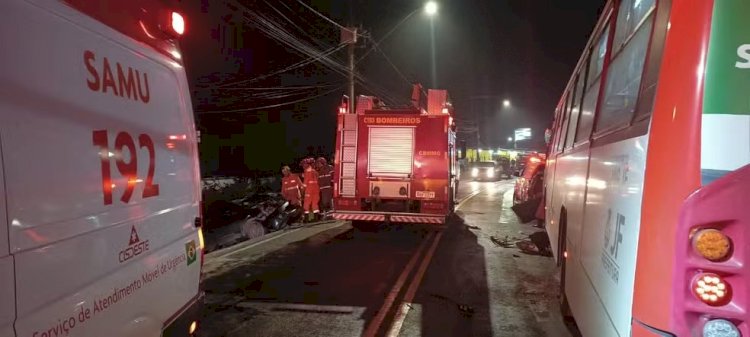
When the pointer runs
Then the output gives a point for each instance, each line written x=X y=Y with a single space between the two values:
x=653 y=62
x=596 y=63
x=574 y=112
x=590 y=97
x=556 y=130
x=564 y=125
x=625 y=71
x=587 y=113
x=631 y=14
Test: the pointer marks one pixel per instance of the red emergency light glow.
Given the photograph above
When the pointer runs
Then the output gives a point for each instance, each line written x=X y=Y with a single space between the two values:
x=178 y=23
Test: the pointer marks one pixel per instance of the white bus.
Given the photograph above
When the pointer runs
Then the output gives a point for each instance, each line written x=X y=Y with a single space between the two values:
x=647 y=180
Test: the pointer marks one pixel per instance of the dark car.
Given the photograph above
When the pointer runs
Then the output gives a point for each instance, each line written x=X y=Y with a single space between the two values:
x=486 y=170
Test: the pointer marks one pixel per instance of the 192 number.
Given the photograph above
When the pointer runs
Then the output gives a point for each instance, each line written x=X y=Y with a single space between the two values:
x=128 y=169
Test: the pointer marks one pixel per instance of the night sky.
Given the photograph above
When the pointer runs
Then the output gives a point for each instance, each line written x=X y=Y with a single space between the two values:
x=485 y=51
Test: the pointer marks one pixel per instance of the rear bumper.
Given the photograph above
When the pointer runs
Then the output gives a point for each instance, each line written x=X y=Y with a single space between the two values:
x=180 y=322
x=391 y=217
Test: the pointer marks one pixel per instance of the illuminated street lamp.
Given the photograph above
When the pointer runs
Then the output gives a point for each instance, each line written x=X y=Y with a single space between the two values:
x=506 y=103
x=431 y=8
x=510 y=139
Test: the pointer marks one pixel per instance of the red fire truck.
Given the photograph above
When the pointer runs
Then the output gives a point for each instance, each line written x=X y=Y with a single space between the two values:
x=396 y=164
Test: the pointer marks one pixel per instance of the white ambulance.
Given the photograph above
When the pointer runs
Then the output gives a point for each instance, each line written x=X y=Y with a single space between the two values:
x=99 y=179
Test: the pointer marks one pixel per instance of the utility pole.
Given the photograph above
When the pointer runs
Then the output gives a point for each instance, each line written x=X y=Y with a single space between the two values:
x=349 y=36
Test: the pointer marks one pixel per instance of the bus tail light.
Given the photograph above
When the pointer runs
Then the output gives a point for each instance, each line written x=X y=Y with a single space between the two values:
x=720 y=328
x=711 y=289
x=712 y=245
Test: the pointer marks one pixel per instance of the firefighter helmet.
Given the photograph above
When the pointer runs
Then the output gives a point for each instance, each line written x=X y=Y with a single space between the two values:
x=322 y=161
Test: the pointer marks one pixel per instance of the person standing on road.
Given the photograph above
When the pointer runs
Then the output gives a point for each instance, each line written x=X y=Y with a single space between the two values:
x=312 y=190
x=325 y=183
x=291 y=186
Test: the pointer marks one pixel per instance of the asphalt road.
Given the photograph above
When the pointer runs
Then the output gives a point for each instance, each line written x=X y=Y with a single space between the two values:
x=401 y=280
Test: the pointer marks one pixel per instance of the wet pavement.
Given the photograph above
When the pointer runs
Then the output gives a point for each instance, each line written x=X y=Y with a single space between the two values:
x=333 y=279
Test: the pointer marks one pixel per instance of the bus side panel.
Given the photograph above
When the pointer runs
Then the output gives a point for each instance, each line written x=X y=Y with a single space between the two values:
x=76 y=128
x=571 y=173
x=552 y=212
x=610 y=234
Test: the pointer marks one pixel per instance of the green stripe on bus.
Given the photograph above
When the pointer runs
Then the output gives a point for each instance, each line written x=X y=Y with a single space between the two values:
x=727 y=82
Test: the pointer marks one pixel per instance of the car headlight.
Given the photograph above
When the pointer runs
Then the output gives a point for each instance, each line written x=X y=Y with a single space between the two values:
x=490 y=172
x=474 y=172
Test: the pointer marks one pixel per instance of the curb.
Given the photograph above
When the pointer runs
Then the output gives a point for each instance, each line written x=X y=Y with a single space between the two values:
x=258 y=240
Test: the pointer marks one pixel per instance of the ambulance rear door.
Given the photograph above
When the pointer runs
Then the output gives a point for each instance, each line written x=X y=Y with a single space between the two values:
x=7 y=282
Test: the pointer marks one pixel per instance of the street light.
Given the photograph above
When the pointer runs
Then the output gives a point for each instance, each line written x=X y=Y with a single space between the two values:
x=510 y=139
x=506 y=103
x=431 y=8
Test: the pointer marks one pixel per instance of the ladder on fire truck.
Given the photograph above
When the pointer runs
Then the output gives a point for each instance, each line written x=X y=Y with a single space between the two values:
x=348 y=147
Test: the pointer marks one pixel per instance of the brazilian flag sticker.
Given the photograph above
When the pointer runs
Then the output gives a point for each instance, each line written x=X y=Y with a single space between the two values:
x=191 y=252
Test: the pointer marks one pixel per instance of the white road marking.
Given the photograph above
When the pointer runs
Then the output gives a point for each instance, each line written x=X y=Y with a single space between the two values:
x=374 y=326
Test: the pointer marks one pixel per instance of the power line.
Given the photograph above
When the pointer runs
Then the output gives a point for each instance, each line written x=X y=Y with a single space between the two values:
x=321 y=15
x=279 y=104
x=394 y=66
x=277 y=32
x=319 y=43
x=377 y=43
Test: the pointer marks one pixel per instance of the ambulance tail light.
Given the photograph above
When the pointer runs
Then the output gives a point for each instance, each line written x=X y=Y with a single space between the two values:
x=193 y=328
x=201 y=240
x=202 y=248
x=177 y=23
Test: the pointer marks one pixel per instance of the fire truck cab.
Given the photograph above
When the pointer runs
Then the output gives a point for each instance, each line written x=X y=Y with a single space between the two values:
x=396 y=165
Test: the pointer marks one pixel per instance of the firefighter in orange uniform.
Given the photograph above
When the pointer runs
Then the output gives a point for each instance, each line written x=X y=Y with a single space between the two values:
x=291 y=186
x=312 y=190
x=325 y=183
